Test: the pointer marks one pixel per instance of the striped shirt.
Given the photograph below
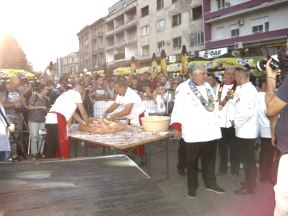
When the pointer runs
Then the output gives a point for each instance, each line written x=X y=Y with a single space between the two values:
x=38 y=115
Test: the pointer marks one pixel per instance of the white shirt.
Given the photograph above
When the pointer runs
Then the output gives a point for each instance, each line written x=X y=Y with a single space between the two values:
x=263 y=121
x=245 y=102
x=228 y=111
x=161 y=107
x=131 y=97
x=65 y=104
x=198 y=124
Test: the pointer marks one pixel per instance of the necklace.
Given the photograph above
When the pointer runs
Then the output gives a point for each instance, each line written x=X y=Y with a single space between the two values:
x=209 y=104
x=228 y=96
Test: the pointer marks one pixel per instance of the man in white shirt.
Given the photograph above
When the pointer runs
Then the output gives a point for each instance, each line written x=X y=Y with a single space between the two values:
x=245 y=123
x=195 y=119
x=131 y=103
x=224 y=95
x=132 y=107
x=267 y=150
x=56 y=121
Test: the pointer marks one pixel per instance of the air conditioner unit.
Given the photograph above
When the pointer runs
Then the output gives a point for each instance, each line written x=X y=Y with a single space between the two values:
x=241 y=22
x=238 y=45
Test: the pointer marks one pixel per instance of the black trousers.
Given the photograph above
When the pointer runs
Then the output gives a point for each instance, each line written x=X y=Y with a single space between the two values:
x=247 y=157
x=51 y=142
x=207 y=152
x=228 y=142
x=182 y=161
x=266 y=156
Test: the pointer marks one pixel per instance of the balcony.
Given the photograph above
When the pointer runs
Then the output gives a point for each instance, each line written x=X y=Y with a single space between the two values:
x=252 y=38
x=122 y=28
x=240 y=9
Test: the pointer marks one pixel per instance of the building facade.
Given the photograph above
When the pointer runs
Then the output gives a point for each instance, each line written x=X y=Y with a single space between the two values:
x=121 y=33
x=168 y=25
x=246 y=28
x=135 y=28
x=68 y=64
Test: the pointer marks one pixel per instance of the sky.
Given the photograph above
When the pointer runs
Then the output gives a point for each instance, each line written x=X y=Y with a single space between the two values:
x=46 y=29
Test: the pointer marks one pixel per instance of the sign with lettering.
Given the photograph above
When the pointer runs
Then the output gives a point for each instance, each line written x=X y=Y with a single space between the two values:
x=207 y=54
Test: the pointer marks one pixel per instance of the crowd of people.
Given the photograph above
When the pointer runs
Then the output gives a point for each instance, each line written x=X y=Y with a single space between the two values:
x=209 y=114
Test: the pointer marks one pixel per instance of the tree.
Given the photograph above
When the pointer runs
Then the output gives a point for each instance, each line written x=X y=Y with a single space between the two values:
x=11 y=54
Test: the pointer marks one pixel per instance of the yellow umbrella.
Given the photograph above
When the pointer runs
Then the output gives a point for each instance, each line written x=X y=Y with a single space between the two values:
x=7 y=73
x=142 y=70
x=184 y=61
x=176 y=67
x=133 y=66
x=101 y=73
x=210 y=65
x=121 y=71
x=163 y=62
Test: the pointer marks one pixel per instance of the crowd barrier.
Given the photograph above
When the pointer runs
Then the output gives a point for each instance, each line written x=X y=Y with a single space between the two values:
x=101 y=106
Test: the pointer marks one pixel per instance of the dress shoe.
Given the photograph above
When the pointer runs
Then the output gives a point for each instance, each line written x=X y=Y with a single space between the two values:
x=216 y=189
x=244 y=191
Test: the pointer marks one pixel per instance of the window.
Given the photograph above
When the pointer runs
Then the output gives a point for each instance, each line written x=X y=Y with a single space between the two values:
x=177 y=43
x=266 y=25
x=260 y=25
x=220 y=4
x=145 y=30
x=257 y=29
x=160 y=25
x=73 y=69
x=145 y=11
x=235 y=33
x=145 y=50
x=220 y=33
x=196 y=38
x=176 y=20
x=197 y=13
x=160 y=45
x=174 y=1
x=160 y=4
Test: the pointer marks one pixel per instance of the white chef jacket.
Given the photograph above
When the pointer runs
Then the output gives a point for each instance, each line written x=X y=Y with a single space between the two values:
x=228 y=111
x=245 y=102
x=263 y=121
x=131 y=97
x=197 y=124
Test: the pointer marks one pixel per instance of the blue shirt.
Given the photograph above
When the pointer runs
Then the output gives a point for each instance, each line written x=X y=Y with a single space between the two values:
x=282 y=123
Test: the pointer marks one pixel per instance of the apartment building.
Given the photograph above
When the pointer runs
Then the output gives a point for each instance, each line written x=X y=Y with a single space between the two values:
x=121 y=33
x=141 y=28
x=168 y=25
x=68 y=64
x=92 y=46
x=246 y=28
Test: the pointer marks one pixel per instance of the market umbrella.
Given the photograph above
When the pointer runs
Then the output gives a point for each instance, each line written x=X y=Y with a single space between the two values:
x=8 y=73
x=163 y=63
x=121 y=71
x=133 y=66
x=184 y=61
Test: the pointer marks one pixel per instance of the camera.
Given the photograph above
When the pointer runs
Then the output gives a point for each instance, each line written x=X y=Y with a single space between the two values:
x=279 y=61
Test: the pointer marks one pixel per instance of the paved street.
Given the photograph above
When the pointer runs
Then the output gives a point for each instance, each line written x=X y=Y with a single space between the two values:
x=207 y=203
x=210 y=204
